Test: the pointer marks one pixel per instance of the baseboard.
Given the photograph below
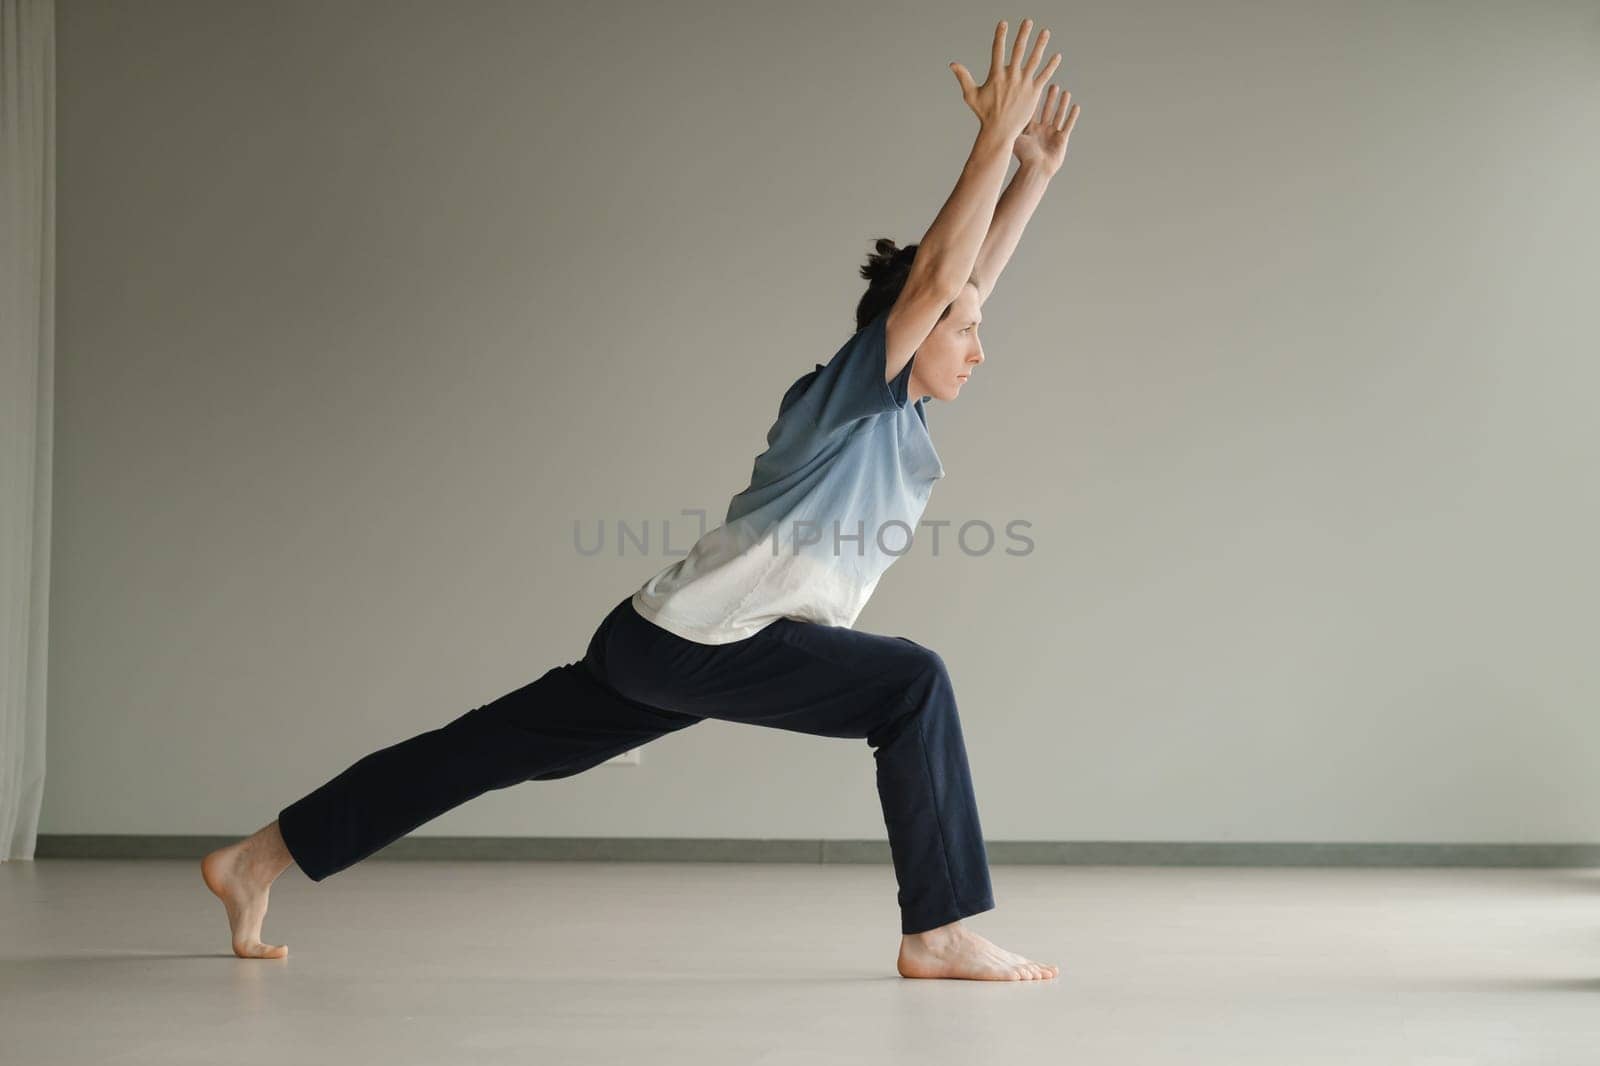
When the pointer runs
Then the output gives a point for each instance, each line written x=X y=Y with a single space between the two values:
x=1001 y=852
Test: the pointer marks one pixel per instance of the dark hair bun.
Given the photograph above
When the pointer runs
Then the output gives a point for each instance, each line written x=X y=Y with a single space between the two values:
x=889 y=264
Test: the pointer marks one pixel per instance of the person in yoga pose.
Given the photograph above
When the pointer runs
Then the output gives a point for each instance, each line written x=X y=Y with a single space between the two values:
x=754 y=623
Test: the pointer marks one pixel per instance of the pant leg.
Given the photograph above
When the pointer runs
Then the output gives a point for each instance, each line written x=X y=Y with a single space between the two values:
x=558 y=725
x=837 y=682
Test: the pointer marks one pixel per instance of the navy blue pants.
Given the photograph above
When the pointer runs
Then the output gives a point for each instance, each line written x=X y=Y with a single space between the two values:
x=637 y=682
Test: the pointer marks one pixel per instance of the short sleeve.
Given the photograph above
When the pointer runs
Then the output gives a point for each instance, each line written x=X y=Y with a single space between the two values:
x=829 y=399
x=851 y=385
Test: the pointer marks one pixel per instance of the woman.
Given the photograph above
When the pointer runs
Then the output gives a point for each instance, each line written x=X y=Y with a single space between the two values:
x=753 y=624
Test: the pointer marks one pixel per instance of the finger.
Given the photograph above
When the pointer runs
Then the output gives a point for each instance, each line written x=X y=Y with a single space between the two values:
x=1022 y=39
x=964 y=78
x=1072 y=119
x=1038 y=50
x=995 y=62
x=1044 y=75
x=1061 y=110
x=1047 y=106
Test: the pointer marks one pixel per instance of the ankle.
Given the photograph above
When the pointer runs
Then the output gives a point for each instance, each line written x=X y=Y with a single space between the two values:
x=942 y=934
x=267 y=853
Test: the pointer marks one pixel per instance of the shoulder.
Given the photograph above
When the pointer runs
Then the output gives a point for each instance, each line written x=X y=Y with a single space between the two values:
x=798 y=389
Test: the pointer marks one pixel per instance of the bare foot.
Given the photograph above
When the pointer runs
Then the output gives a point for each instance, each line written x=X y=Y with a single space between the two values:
x=955 y=951
x=241 y=875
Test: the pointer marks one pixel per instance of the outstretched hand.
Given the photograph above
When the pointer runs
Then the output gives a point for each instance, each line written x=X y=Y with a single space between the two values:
x=1005 y=101
x=1043 y=142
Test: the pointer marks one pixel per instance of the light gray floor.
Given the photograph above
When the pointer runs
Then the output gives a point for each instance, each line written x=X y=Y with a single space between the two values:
x=712 y=963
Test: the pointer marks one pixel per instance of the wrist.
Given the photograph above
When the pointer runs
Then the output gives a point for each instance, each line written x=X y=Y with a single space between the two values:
x=991 y=141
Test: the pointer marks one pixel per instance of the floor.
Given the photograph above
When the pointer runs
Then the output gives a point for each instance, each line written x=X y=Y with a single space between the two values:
x=397 y=962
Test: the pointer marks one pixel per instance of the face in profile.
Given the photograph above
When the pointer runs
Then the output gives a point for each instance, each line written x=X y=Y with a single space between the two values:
x=951 y=352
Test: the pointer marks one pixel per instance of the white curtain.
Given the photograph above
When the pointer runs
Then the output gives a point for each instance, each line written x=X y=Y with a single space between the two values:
x=27 y=391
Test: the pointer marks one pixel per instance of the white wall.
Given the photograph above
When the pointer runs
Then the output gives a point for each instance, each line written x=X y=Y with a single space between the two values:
x=363 y=304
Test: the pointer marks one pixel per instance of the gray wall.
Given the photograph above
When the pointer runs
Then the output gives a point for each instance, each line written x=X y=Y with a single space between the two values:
x=362 y=305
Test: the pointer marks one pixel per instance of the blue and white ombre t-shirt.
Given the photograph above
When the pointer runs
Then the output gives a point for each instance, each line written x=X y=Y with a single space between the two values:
x=832 y=502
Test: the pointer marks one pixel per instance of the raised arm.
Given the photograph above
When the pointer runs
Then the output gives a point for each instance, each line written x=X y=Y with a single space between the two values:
x=947 y=253
x=1040 y=150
